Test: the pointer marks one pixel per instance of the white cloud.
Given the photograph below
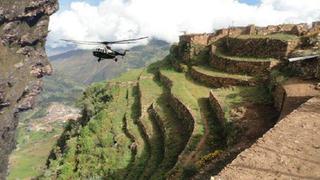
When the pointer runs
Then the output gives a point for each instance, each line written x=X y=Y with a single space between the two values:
x=164 y=19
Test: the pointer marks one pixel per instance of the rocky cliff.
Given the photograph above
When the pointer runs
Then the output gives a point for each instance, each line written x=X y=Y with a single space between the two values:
x=23 y=61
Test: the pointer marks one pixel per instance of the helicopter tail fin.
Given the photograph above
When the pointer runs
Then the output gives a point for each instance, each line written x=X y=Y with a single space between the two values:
x=125 y=51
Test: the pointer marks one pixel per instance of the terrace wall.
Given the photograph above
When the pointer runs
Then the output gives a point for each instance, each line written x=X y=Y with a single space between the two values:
x=182 y=111
x=217 y=107
x=218 y=82
x=247 y=67
x=262 y=48
x=309 y=68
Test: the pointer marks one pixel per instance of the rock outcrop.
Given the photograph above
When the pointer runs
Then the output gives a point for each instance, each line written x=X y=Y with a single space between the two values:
x=23 y=61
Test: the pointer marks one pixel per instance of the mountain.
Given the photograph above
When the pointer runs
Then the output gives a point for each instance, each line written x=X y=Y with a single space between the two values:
x=191 y=114
x=82 y=67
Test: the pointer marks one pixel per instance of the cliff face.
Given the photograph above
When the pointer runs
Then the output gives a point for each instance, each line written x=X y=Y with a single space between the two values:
x=23 y=61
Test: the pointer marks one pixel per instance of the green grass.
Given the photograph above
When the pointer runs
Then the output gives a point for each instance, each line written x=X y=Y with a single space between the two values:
x=216 y=73
x=173 y=137
x=29 y=160
x=279 y=36
x=136 y=167
x=150 y=91
x=187 y=91
x=131 y=75
x=176 y=136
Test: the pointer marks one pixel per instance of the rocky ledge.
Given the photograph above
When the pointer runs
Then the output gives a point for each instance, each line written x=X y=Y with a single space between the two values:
x=23 y=61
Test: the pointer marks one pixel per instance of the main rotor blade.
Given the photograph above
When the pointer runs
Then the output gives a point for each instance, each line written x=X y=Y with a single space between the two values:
x=82 y=42
x=127 y=41
x=123 y=41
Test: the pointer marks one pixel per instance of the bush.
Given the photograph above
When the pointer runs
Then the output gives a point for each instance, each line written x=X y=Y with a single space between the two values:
x=189 y=171
x=208 y=158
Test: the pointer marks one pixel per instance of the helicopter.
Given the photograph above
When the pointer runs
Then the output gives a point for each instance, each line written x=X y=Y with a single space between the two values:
x=107 y=52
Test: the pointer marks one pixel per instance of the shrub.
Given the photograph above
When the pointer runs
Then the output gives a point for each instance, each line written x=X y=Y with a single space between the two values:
x=208 y=158
x=189 y=171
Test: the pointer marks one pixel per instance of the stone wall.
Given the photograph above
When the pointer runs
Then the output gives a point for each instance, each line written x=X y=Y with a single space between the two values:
x=217 y=107
x=309 y=68
x=189 y=43
x=182 y=111
x=201 y=39
x=218 y=82
x=247 y=67
x=260 y=48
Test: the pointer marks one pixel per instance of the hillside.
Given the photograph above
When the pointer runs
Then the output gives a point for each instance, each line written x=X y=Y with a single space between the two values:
x=57 y=102
x=192 y=113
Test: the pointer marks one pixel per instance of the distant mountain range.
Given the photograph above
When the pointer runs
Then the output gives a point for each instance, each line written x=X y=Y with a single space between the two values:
x=82 y=67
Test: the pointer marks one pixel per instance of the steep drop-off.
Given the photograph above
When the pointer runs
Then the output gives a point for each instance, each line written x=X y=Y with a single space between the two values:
x=23 y=61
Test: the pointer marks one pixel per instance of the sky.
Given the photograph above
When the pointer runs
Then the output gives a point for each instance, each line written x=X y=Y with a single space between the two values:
x=103 y=20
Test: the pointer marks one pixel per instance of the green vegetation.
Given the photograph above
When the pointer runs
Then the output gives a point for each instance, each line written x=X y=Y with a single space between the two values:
x=28 y=161
x=187 y=91
x=101 y=148
x=279 y=36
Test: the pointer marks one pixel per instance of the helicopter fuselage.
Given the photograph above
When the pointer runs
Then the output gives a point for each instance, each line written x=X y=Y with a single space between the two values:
x=107 y=53
x=100 y=53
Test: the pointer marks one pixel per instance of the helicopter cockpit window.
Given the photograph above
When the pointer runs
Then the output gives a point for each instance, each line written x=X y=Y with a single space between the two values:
x=108 y=51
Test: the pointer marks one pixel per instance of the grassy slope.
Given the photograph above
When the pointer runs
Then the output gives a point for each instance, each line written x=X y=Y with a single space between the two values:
x=28 y=161
x=190 y=94
x=149 y=93
x=175 y=136
x=102 y=148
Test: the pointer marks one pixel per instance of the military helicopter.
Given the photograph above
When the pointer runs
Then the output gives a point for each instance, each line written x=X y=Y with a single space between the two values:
x=107 y=52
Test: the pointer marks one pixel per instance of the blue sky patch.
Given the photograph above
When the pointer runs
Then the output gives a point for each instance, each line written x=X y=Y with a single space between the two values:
x=65 y=4
x=250 y=2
